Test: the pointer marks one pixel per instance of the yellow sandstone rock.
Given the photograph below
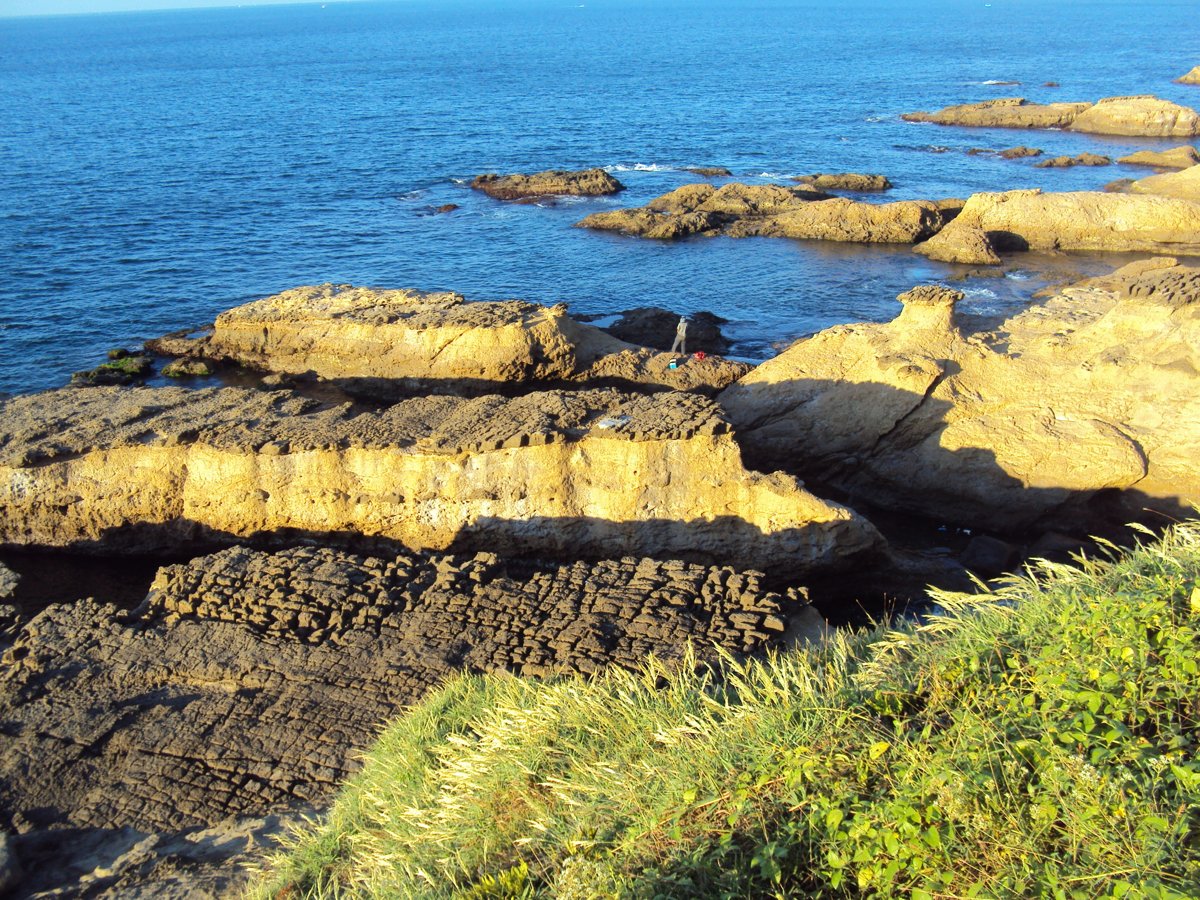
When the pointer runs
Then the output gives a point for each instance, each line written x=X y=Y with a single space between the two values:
x=588 y=473
x=1090 y=397
x=1081 y=220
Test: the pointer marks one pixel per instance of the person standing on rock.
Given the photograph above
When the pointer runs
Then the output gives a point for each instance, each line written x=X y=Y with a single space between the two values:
x=680 y=345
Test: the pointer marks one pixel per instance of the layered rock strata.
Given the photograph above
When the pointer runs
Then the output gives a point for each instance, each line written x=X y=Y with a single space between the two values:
x=740 y=210
x=1089 y=398
x=586 y=183
x=249 y=682
x=389 y=343
x=1081 y=220
x=1141 y=115
x=571 y=474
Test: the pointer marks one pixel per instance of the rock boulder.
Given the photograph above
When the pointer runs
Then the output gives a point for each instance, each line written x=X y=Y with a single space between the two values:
x=846 y=181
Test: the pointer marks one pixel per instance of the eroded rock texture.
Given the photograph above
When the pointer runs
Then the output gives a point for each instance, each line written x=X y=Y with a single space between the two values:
x=248 y=682
x=1142 y=115
x=741 y=210
x=1082 y=406
x=569 y=474
x=391 y=343
x=248 y=679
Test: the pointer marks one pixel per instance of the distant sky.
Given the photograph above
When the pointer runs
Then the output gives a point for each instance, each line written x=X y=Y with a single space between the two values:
x=53 y=7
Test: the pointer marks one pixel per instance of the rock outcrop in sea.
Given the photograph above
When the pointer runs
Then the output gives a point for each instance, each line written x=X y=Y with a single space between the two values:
x=1082 y=406
x=586 y=183
x=1175 y=158
x=845 y=181
x=1140 y=116
x=740 y=210
x=1080 y=220
x=1190 y=77
x=393 y=343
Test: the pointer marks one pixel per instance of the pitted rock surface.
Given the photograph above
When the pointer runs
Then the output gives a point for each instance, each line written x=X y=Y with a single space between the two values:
x=56 y=424
x=248 y=681
x=568 y=474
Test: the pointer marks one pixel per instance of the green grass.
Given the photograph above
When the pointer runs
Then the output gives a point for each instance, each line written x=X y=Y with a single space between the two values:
x=1036 y=740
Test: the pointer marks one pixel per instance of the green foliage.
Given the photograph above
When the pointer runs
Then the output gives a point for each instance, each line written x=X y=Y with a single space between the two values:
x=1036 y=740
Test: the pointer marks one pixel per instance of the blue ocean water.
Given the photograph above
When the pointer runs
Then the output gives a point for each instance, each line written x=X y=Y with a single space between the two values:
x=157 y=168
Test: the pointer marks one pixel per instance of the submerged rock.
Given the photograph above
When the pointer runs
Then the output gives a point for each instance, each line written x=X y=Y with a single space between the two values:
x=1081 y=220
x=587 y=183
x=1020 y=152
x=567 y=474
x=740 y=210
x=1142 y=115
x=122 y=368
x=1078 y=408
x=249 y=683
x=709 y=171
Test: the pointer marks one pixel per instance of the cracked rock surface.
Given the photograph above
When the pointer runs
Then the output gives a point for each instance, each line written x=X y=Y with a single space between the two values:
x=247 y=681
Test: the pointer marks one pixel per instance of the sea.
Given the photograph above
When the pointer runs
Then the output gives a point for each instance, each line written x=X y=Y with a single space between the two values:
x=157 y=168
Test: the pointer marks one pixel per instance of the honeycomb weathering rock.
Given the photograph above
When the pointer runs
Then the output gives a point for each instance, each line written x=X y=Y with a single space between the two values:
x=250 y=681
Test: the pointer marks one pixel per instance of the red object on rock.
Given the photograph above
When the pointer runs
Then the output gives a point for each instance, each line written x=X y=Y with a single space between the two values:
x=700 y=354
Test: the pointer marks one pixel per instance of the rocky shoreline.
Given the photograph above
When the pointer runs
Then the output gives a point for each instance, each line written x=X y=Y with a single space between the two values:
x=407 y=485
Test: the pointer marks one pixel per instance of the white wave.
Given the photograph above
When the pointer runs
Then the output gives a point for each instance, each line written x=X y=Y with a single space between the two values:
x=877 y=118
x=999 y=81
x=461 y=180
x=641 y=167
x=980 y=293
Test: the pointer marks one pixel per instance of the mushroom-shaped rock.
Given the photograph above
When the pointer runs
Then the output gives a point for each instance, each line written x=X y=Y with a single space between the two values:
x=1082 y=403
